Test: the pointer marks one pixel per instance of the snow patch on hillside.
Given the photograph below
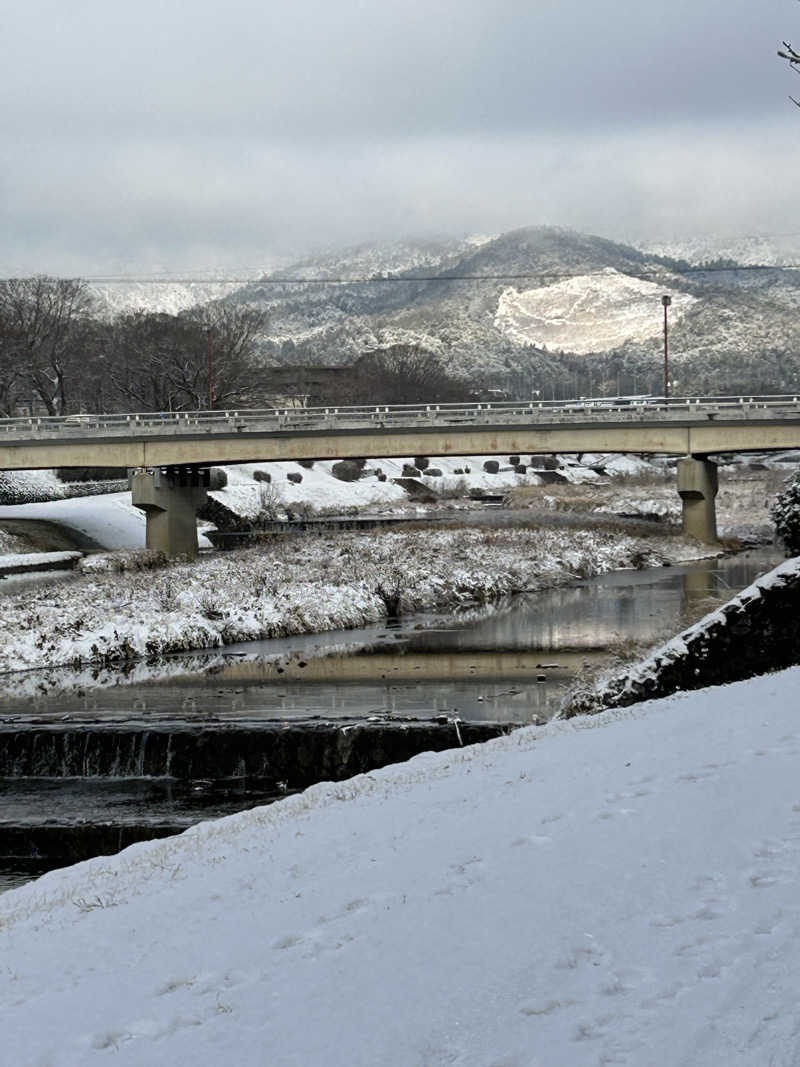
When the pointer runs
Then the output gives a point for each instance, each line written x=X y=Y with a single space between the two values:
x=590 y=313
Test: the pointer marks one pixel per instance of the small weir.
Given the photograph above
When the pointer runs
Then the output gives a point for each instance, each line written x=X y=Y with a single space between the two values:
x=109 y=761
x=272 y=756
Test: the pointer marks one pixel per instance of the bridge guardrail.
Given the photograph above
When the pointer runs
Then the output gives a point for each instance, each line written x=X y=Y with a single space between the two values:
x=28 y=427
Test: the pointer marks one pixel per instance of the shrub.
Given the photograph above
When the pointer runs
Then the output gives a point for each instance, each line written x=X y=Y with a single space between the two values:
x=347 y=470
x=121 y=562
x=262 y=476
x=785 y=514
x=421 y=462
x=455 y=490
x=269 y=501
x=491 y=466
x=294 y=476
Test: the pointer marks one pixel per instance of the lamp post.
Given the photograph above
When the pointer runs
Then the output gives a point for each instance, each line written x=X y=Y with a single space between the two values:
x=666 y=301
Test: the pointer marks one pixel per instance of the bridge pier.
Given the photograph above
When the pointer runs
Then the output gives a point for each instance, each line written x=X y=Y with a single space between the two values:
x=697 y=486
x=171 y=498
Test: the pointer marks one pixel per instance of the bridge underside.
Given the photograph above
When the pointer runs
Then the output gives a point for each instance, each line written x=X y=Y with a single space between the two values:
x=172 y=496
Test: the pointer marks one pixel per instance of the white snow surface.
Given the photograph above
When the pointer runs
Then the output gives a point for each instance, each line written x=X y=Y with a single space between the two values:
x=109 y=519
x=114 y=523
x=326 y=493
x=590 y=313
x=770 y=249
x=618 y=889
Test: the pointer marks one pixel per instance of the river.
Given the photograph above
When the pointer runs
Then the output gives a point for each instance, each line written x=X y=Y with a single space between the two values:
x=83 y=773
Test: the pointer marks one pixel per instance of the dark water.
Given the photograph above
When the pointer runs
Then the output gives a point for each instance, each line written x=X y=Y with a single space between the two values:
x=512 y=665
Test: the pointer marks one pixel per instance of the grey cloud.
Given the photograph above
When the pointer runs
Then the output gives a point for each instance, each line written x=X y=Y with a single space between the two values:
x=157 y=133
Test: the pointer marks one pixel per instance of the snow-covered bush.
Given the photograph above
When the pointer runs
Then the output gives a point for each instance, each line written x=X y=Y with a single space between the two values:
x=120 y=562
x=269 y=503
x=785 y=514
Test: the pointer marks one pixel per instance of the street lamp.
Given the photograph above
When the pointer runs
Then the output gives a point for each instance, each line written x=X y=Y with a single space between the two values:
x=666 y=301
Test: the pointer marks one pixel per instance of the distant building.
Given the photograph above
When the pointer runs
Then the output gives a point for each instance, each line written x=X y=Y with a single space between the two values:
x=300 y=385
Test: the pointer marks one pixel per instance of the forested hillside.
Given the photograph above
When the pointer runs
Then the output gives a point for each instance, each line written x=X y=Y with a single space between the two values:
x=536 y=312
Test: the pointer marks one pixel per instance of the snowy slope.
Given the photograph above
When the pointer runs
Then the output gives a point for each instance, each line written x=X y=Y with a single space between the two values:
x=620 y=889
x=591 y=313
x=110 y=520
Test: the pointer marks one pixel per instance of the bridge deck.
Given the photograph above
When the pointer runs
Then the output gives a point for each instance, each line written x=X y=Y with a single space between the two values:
x=697 y=425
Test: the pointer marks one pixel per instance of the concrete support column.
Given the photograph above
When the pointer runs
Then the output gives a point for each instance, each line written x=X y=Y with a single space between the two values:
x=697 y=485
x=171 y=498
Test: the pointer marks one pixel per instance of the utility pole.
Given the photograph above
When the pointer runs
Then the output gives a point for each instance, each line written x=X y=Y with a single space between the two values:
x=210 y=340
x=666 y=301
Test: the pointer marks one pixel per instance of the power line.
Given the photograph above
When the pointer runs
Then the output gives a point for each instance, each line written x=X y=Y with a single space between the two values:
x=389 y=278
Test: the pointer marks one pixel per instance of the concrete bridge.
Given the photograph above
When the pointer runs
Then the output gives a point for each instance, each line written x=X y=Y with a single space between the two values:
x=170 y=455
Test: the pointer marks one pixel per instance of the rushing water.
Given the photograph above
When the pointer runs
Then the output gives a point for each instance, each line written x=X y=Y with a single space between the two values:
x=510 y=665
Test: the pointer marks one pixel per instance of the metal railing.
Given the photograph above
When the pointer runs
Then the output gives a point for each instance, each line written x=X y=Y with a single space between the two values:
x=275 y=420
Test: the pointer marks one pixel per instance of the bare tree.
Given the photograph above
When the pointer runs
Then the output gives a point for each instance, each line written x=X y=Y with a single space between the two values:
x=202 y=358
x=41 y=315
x=155 y=362
x=231 y=373
x=11 y=367
x=793 y=59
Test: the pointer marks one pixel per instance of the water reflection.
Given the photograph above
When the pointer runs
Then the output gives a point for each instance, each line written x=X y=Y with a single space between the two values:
x=511 y=663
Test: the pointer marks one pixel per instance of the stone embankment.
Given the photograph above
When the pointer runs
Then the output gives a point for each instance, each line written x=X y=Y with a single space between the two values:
x=756 y=632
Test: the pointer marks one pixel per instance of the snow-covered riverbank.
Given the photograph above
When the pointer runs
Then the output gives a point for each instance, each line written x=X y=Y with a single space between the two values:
x=618 y=889
x=306 y=585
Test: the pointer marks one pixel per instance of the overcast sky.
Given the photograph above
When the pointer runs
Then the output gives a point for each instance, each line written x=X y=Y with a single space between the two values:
x=189 y=135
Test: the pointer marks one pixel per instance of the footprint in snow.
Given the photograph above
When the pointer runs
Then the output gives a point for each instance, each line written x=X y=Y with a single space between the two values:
x=287 y=941
x=531 y=839
x=173 y=984
x=762 y=881
x=548 y=1007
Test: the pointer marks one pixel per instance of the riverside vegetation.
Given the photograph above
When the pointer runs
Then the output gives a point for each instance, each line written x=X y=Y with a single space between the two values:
x=302 y=585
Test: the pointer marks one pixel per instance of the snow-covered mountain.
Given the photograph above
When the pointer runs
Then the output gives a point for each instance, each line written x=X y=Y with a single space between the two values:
x=531 y=303
x=377 y=260
x=162 y=294
x=539 y=302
